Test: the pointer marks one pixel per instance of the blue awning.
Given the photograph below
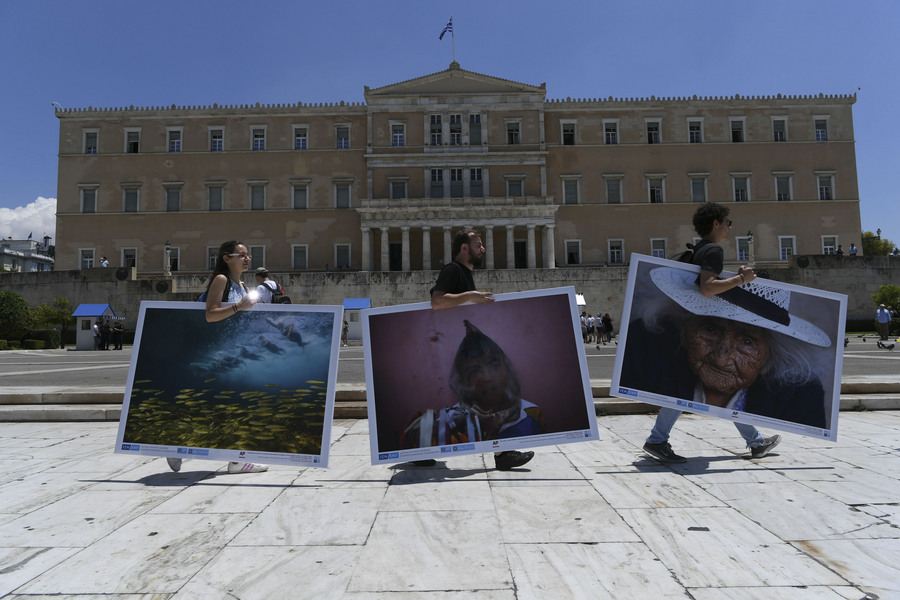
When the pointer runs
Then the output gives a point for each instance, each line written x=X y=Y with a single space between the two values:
x=94 y=310
x=357 y=303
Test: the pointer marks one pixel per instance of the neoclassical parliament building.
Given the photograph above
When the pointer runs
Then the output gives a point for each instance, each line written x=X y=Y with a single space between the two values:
x=380 y=185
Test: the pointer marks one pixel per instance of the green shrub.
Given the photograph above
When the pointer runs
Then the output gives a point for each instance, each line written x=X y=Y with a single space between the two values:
x=4 y=345
x=13 y=344
x=49 y=336
x=33 y=344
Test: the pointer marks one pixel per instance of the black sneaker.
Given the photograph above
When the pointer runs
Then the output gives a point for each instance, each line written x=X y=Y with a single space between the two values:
x=428 y=462
x=766 y=447
x=663 y=453
x=510 y=459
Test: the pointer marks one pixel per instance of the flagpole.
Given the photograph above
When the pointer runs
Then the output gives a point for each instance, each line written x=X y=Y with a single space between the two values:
x=453 y=39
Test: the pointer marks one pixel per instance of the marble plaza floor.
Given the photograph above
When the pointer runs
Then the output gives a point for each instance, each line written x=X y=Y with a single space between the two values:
x=814 y=520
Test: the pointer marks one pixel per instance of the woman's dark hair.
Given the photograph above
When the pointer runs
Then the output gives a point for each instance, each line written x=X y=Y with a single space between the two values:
x=706 y=215
x=222 y=266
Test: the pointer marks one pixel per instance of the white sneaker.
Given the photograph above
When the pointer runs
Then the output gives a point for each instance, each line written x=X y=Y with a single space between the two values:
x=174 y=464
x=236 y=467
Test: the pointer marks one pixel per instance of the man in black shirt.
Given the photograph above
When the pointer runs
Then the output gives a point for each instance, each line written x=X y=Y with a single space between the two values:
x=455 y=286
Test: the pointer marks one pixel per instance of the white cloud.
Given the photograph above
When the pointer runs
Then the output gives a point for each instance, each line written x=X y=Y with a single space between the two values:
x=37 y=219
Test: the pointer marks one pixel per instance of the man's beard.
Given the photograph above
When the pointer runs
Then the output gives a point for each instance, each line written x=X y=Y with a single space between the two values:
x=476 y=260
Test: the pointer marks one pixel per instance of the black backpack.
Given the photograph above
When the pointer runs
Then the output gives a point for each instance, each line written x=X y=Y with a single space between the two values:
x=687 y=256
x=278 y=295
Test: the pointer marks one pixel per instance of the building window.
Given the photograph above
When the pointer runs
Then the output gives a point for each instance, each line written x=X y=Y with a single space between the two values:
x=741 y=187
x=779 y=130
x=342 y=256
x=698 y=189
x=90 y=139
x=570 y=187
x=653 y=128
x=173 y=198
x=788 y=245
x=456 y=183
x=658 y=247
x=217 y=140
x=611 y=132
x=743 y=248
x=132 y=141
x=614 y=190
x=89 y=199
x=737 y=130
x=476 y=183
x=782 y=188
x=342 y=195
x=342 y=134
x=215 y=197
x=398 y=189
x=174 y=258
x=825 y=184
x=829 y=244
x=398 y=134
x=437 y=183
x=300 y=196
x=436 y=130
x=695 y=131
x=475 y=129
x=300 y=137
x=258 y=138
x=130 y=196
x=174 y=139
x=87 y=258
x=299 y=256
x=129 y=257
x=515 y=187
x=656 y=188
x=211 y=253
x=257 y=196
x=513 y=129
x=568 y=133
x=573 y=252
x=456 y=130
x=258 y=257
x=821 y=125
x=616 y=252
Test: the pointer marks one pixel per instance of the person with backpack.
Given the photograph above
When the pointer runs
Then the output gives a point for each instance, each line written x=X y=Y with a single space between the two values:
x=225 y=296
x=269 y=291
x=713 y=225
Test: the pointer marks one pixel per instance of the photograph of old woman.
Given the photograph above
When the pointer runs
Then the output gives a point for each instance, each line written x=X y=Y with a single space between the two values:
x=743 y=350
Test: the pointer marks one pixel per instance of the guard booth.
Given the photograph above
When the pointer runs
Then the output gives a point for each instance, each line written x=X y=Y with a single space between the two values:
x=85 y=316
x=353 y=308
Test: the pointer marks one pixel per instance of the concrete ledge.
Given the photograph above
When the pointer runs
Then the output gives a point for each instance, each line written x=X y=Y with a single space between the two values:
x=60 y=412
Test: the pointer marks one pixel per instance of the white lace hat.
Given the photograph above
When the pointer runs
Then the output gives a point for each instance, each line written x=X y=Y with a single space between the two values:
x=753 y=303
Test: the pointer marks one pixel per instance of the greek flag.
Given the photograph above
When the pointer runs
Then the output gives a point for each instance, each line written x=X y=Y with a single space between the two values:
x=447 y=29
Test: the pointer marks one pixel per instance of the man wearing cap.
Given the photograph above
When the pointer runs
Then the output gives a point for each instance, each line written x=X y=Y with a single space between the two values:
x=883 y=322
x=265 y=285
x=712 y=225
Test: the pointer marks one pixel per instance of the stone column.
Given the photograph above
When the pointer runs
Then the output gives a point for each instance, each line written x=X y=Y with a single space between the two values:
x=489 y=246
x=510 y=247
x=366 y=250
x=426 y=248
x=447 y=256
x=531 y=258
x=404 y=232
x=550 y=246
x=385 y=251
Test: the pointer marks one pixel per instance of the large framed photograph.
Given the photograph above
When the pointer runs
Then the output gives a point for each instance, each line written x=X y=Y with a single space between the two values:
x=766 y=353
x=256 y=387
x=476 y=378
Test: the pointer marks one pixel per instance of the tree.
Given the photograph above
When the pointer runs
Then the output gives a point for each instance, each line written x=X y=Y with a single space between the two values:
x=58 y=313
x=889 y=295
x=15 y=315
x=875 y=245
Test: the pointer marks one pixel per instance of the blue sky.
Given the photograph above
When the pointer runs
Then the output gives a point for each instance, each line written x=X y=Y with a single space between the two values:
x=185 y=52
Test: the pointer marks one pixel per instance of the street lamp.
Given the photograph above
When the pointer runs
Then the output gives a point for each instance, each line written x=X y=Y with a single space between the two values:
x=168 y=258
x=750 y=249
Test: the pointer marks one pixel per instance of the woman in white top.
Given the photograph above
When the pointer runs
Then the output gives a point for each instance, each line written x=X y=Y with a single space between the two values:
x=226 y=296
